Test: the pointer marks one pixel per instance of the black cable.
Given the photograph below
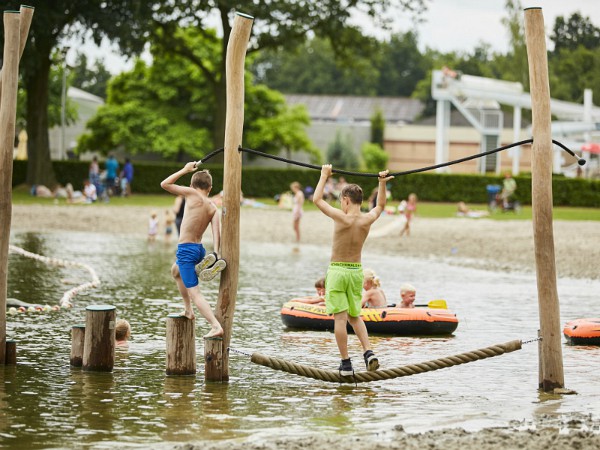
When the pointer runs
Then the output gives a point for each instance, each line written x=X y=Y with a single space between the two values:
x=580 y=161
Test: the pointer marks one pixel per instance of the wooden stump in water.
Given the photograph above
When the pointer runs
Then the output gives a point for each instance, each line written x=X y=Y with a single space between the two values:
x=215 y=359
x=181 y=345
x=11 y=353
x=77 y=344
x=99 y=342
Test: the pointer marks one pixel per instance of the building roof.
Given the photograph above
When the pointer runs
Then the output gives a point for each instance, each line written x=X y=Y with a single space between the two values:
x=338 y=108
x=458 y=120
x=76 y=93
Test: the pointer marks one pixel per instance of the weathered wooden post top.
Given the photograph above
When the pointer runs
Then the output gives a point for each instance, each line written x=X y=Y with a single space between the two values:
x=552 y=375
x=216 y=358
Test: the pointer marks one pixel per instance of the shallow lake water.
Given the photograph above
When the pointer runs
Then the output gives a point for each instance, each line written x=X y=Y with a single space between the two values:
x=46 y=404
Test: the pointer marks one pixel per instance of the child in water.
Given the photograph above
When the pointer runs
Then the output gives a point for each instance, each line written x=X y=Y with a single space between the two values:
x=373 y=297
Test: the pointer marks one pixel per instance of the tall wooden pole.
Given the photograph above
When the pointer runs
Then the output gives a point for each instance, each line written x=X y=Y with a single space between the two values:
x=26 y=15
x=217 y=361
x=8 y=112
x=541 y=198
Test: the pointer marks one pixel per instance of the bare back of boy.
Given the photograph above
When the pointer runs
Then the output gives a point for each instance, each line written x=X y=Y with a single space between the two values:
x=350 y=233
x=198 y=214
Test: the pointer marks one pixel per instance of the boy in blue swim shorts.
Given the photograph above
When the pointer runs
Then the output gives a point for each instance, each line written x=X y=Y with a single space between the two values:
x=200 y=212
x=344 y=280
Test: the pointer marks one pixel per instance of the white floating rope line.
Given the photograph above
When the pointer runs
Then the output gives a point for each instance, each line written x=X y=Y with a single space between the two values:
x=65 y=301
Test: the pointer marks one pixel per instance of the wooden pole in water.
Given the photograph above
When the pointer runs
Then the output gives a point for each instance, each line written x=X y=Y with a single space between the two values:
x=541 y=199
x=77 y=345
x=181 y=345
x=217 y=361
x=11 y=353
x=99 y=343
x=8 y=112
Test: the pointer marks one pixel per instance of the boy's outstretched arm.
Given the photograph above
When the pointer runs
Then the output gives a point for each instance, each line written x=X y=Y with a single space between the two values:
x=318 y=200
x=168 y=184
x=381 y=192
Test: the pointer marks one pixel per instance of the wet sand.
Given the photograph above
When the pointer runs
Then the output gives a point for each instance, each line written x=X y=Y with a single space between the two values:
x=482 y=243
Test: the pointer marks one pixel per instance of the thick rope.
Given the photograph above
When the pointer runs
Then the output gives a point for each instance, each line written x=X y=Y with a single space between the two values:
x=65 y=301
x=385 y=374
x=580 y=161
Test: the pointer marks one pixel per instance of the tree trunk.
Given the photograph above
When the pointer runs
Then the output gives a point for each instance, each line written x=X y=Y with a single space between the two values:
x=39 y=165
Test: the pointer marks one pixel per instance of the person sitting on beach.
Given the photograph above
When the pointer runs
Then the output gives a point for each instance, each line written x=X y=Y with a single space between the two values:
x=200 y=212
x=462 y=210
x=122 y=332
x=373 y=296
x=89 y=192
x=343 y=283
x=408 y=293
x=319 y=299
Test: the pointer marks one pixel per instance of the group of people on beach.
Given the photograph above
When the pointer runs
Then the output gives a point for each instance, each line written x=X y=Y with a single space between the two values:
x=344 y=279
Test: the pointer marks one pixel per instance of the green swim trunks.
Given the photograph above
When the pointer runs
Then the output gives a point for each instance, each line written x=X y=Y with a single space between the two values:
x=343 y=288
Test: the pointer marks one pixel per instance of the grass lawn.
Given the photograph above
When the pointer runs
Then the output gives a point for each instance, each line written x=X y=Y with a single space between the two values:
x=424 y=209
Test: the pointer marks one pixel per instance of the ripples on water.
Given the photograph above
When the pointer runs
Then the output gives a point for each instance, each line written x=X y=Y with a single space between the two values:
x=44 y=403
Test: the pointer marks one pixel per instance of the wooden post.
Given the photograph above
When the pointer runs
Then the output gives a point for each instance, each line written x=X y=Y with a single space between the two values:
x=25 y=17
x=181 y=345
x=8 y=112
x=541 y=199
x=99 y=343
x=11 y=353
x=217 y=368
x=77 y=345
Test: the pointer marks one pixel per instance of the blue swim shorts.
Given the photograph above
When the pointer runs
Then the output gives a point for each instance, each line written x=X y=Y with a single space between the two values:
x=188 y=255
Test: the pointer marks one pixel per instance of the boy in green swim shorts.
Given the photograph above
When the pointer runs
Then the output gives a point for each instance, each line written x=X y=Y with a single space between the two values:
x=343 y=284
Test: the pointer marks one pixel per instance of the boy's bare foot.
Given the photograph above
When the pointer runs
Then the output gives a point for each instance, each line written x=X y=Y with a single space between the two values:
x=189 y=314
x=215 y=331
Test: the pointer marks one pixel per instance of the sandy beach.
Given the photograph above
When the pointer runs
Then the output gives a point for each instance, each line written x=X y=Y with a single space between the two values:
x=483 y=243
x=495 y=245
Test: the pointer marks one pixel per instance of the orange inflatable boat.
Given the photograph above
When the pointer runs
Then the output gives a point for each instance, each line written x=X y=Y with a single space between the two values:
x=389 y=320
x=583 y=331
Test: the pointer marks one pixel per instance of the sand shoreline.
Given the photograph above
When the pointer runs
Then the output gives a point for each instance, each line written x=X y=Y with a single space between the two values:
x=482 y=243
x=492 y=245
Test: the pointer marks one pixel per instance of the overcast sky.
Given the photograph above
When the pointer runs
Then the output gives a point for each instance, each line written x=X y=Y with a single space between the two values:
x=448 y=25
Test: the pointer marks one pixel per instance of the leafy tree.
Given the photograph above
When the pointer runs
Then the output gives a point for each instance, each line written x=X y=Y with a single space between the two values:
x=377 y=128
x=401 y=65
x=374 y=157
x=278 y=23
x=574 y=32
x=273 y=126
x=92 y=80
x=572 y=71
x=312 y=68
x=118 y=20
x=128 y=24
x=516 y=67
x=341 y=154
x=166 y=108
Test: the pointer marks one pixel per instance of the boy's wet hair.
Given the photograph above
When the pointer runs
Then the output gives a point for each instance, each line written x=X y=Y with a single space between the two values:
x=320 y=283
x=122 y=330
x=202 y=180
x=407 y=287
x=354 y=192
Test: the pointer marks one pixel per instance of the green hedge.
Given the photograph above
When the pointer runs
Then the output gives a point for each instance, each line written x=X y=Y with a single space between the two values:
x=267 y=182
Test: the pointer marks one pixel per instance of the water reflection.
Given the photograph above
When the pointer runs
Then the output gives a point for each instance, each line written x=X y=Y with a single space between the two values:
x=44 y=403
